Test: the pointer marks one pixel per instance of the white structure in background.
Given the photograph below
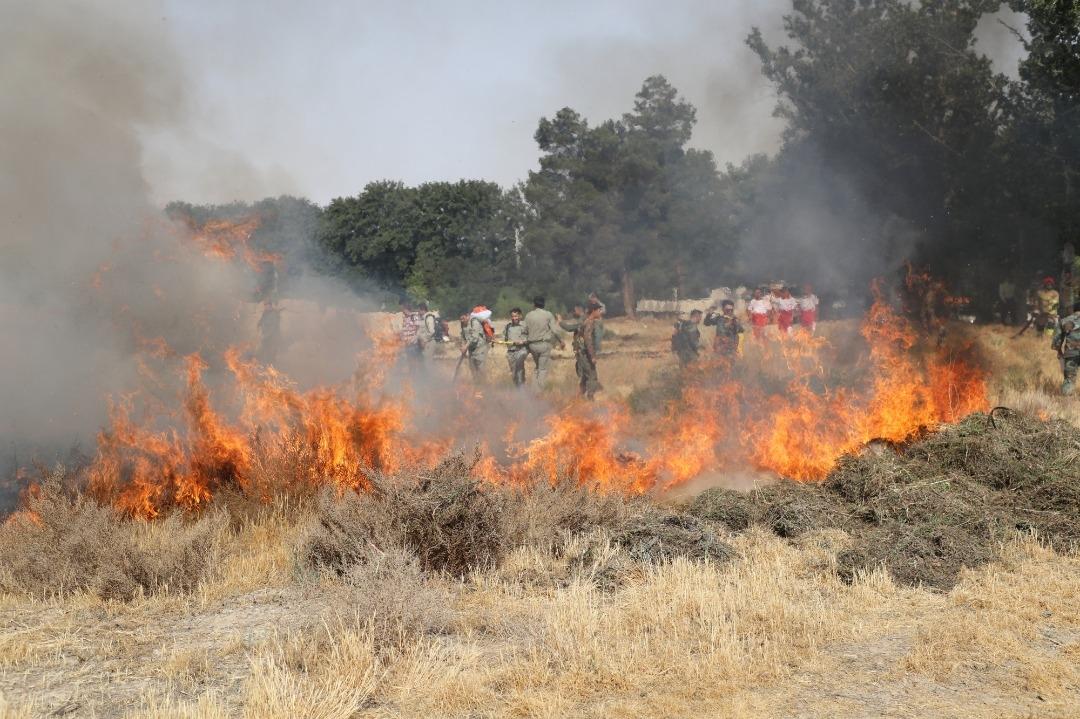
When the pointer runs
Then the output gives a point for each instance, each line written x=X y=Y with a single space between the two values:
x=676 y=306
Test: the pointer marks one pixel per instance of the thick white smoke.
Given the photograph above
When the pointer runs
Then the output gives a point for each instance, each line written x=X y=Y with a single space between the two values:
x=91 y=273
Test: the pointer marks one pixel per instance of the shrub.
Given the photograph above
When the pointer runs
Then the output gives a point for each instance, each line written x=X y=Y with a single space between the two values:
x=64 y=542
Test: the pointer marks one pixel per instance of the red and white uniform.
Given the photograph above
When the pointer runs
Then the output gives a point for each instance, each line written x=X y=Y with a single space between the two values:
x=759 y=315
x=808 y=305
x=785 y=313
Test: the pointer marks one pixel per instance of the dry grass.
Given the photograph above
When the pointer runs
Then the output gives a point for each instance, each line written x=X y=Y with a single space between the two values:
x=549 y=603
x=65 y=544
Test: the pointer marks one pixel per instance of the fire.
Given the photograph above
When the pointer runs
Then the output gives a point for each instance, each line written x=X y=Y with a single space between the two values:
x=226 y=240
x=783 y=408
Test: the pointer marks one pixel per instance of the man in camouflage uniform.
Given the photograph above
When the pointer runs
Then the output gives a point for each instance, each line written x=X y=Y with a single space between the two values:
x=425 y=334
x=686 y=341
x=542 y=337
x=516 y=338
x=587 y=329
x=1066 y=343
x=475 y=346
x=1046 y=306
x=728 y=329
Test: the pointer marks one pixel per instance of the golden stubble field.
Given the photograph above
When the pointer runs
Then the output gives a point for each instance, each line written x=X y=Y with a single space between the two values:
x=773 y=632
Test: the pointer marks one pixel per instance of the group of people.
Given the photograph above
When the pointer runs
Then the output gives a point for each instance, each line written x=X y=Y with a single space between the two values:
x=766 y=307
x=535 y=335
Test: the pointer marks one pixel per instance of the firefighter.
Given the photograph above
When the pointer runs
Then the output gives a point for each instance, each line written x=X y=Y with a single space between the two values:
x=476 y=341
x=543 y=337
x=728 y=329
x=1046 y=306
x=1066 y=343
x=587 y=329
x=427 y=331
x=516 y=337
x=686 y=340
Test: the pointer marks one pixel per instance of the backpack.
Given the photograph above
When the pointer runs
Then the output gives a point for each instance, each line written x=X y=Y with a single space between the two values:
x=489 y=330
x=442 y=327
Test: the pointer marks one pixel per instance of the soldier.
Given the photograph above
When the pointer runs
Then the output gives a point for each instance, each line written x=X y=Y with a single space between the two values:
x=542 y=334
x=516 y=337
x=1046 y=306
x=686 y=340
x=410 y=327
x=1066 y=343
x=586 y=328
x=426 y=333
x=728 y=329
x=476 y=342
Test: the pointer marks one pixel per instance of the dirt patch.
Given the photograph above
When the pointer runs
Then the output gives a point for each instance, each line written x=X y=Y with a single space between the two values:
x=930 y=508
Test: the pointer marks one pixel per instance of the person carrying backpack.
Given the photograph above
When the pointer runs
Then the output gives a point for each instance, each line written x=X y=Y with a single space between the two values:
x=431 y=332
x=477 y=340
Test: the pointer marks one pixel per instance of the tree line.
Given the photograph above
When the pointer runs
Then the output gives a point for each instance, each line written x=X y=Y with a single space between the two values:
x=901 y=142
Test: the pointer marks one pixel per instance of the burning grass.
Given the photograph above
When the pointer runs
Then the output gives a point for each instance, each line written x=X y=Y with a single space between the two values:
x=934 y=506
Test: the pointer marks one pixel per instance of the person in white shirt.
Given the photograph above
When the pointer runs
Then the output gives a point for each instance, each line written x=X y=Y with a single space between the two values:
x=808 y=305
x=759 y=312
x=784 y=305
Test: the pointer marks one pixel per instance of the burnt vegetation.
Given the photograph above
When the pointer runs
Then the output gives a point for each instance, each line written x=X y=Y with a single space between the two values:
x=927 y=510
x=923 y=511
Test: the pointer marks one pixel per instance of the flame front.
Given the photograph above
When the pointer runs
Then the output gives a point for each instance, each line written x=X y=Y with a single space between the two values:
x=777 y=409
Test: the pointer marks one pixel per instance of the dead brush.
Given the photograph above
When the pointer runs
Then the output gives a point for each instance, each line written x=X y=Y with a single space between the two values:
x=453 y=523
x=928 y=509
x=447 y=519
x=63 y=542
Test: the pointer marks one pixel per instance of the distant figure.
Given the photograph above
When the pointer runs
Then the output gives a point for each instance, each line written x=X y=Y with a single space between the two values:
x=543 y=336
x=516 y=338
x=808 y=309
x=1066 y=343
x=477 y=341
x=785 y=305
x=686 y=340
x=410 y=328
x=586 y=329
x=1046 y=306
x=427 y=332
x=759 y=312
x=269 y=333
x=594 y=299
x=728 y=329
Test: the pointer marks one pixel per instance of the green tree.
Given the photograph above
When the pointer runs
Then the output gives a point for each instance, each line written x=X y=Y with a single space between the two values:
x=623 y=206
x=451 y=243
x=897 y=104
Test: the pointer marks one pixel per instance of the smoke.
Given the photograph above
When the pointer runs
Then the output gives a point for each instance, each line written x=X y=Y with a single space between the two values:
x=92 y=275
x=700 y=47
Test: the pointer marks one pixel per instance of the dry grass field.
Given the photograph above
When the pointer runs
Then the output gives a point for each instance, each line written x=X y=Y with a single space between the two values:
x=450 y=602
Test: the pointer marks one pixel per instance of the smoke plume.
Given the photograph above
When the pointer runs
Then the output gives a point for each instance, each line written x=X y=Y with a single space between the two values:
x=93 y=277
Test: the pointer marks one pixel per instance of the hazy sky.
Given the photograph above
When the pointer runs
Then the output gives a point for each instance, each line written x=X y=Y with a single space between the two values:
x=320 y=98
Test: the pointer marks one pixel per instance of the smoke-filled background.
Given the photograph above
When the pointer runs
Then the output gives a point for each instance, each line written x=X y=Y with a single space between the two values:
x=904 y=131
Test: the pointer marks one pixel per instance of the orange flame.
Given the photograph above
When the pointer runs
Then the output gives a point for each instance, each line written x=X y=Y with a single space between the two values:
x=779 y=409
